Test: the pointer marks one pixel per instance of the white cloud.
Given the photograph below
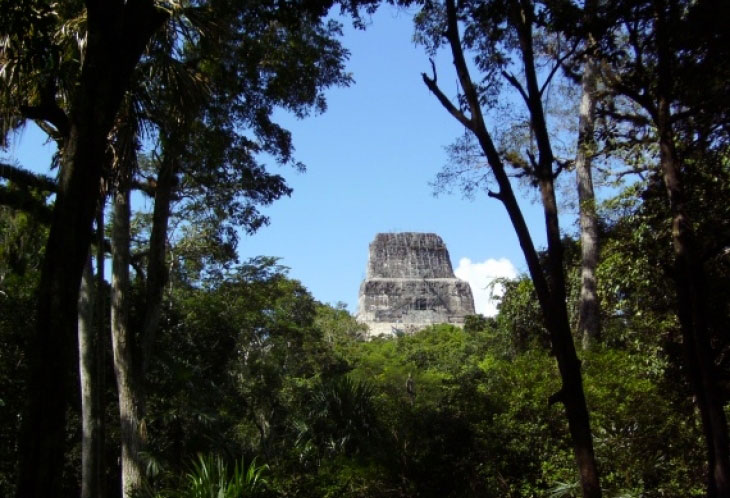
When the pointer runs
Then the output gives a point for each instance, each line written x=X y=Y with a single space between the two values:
x=480 y=276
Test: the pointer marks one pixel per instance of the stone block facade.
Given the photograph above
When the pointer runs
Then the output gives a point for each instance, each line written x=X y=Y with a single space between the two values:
x=410 y=284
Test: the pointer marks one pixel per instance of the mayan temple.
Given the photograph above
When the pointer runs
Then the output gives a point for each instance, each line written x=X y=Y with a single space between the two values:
x=410 y=284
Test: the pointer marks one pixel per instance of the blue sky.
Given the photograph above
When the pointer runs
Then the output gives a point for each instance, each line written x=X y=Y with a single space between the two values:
x=370 y=159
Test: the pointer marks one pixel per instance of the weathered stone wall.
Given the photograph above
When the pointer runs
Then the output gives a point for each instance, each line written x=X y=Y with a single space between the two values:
x=409 y=255
x=410 y=284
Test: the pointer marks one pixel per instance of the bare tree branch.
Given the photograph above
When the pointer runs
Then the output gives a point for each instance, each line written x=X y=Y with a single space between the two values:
x=448 y=105
x=148 y=187
x=557 y=66
x=515 y=83
x=533 y=160
x=561 y=166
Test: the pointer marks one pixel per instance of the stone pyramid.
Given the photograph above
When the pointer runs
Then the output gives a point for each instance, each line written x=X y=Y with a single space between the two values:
x=410 y=285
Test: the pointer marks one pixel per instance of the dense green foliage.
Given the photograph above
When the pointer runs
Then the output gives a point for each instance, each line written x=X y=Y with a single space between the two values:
x=257 y=389
x=20 y=248
x=251 y=366
x=256 y=367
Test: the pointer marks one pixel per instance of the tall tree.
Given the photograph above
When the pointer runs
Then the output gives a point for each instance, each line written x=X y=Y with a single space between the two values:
x=652 y=53
x=117 y=33
x=131 y=407
x=74 y=93
x=498 y=31
x=90 y=387
x=589 y=309
x=207 y=96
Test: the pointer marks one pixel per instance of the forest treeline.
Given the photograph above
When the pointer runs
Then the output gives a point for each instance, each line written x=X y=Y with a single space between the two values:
x=185 y=372
x=251 y=369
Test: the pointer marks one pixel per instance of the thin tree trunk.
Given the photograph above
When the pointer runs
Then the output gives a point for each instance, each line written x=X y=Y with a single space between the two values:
x=91 y=416
x=555 y=309
x=130 y=409
x=571 y=393
x=589 y=310
x=132 y=361
x=86 y=378
x=101 y=350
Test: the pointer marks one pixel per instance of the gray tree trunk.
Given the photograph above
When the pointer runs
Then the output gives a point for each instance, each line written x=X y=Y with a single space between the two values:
x=86 y=378
x=131 y=361
x=130 y=407
x=589 y=311
x=91 y=391
x=101 y=349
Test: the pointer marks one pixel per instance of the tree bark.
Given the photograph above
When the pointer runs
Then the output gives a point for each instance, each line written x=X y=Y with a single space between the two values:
x=91 y=390
x=130 y=362
x=130 y=407
x=102 y=346
x=589 y=306
x=118 y=32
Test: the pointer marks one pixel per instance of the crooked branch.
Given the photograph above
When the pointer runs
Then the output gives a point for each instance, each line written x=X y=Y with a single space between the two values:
x=448 y=105
x=557 y=66
x=515 y=83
